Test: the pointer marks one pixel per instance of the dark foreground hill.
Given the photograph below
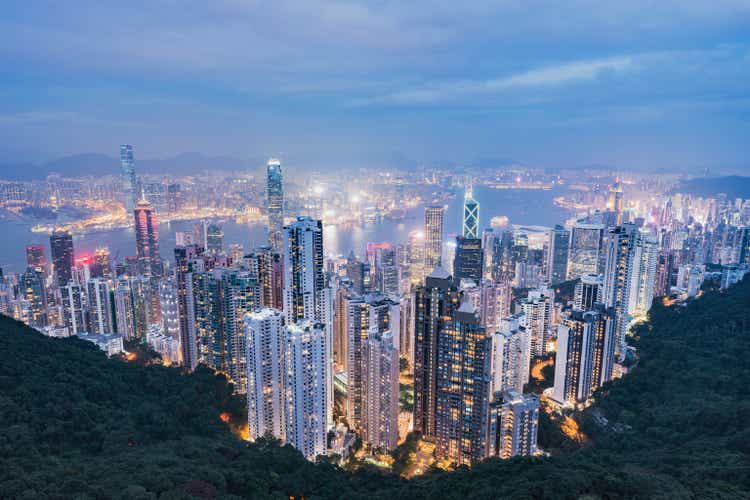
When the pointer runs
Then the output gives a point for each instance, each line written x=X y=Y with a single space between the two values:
x=76 y=424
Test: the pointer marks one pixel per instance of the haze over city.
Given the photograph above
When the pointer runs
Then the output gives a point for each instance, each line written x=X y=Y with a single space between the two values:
x=638 y=84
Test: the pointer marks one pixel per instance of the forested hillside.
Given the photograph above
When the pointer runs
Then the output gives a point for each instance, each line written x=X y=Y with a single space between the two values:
x=76 y=424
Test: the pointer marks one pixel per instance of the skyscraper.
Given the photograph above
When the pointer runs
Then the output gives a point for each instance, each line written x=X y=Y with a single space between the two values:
x=586 y=254
x=462 y=388
x=35 y=258
x=183 y=255
x=275 y=201
x=537 y=319
x=380 y=390
x=471 y=215
x=433 y=230
x=468 y=260
x=147 y=239
x=304 y=279
x=129 y=180
x=557 y=255
x=61 y=245
x=587 y=292
x=73 y=307
x=434 y=304
x=265 y=343
x=510 y=356
x=514 y=425
x=214 y=238
x=99 y=306
x=306 y=384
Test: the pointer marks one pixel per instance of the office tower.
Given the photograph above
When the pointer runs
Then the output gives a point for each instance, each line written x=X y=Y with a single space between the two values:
x=434 y=303
x=514 y=425
x=264 y=332
x=586 y=253
x=275 y=204
x=306 y=371
x=101 y=266
x=214 y=238
x=358 y=273
x=380 y=390
x=344 y=293
x=304 y=279
x=386 y=270
x=510 y=357
x=433 y=230
x=365 y=315
x=170 y=313
x=462 y=388
x=557 y=255
x=147 y=239
x=406 y=334
x=468 y=260
x=537 y=309
x=644 y=257
x=503 y=258
x=74 y=308
x=416 y=257
x=449 y=255
x=183 y=255
x=99 y=307
x=124 y=314
x=174 y=198
x=129 y=181
x=587 y=292
x=471 y=216
x=61 y=246
x=35 y=258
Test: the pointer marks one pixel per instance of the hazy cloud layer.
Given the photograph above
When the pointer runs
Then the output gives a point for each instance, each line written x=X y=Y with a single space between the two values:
x=640 y=83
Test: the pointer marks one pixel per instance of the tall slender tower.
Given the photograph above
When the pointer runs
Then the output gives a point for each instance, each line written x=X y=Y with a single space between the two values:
x=275 y=201
x=471 y=215
x=99 y=305
x=433 y=228
x=147 y=239
x=61 y=244
x=304 y=279
x=129 y=181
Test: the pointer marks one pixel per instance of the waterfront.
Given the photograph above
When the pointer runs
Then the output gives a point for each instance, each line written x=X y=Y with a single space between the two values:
x=533 y=207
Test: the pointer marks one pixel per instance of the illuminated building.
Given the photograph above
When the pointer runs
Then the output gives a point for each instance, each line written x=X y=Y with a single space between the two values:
x=101 y=267
x=306 y=385
x=488 y=246
x=170 y=314
x=214 y=238
x=264 y=333
x=514 y=425
x=32 y=288
x=275 y=204
x=365 y=315
x=585 y=354
x=510 y=356
x=74 y=308
x=462 y=388
x=147 y=239
x=61 y=245
x=433 y=234
x=304 y=280
x=586 y=253
x=416 y=257
x=270 y=276
x=129 y=180
x=494 y=303
x=468 y=259
x=185 y=305
x=471 y=216
x=99 y=306
x=537 y=319
x=35 y=258
x=124 y=314
x=380 y=390
x=358 y=273
x=587 y=292
x=556 y=263
x=434 y=304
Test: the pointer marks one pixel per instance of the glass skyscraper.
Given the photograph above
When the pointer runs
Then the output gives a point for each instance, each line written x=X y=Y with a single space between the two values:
x=275 y=200
x=129 y=181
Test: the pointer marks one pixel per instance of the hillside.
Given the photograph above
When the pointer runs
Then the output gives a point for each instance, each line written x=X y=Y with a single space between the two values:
x=75 y=423
x=733 y=186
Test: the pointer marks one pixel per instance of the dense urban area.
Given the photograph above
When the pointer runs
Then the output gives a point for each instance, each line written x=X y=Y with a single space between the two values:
x=517 y=356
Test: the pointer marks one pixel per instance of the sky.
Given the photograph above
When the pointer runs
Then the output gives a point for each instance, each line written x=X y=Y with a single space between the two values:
x=641 y=84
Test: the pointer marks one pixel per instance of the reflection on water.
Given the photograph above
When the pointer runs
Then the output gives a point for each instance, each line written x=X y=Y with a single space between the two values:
x=521 y=207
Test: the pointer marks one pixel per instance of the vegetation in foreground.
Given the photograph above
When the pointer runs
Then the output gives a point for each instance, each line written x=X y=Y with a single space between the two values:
x=76 y=424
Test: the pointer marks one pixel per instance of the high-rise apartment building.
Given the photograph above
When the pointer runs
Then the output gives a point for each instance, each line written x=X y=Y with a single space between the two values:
x=304 y=279
x=537 y=318
x=99 y=307
x=380 y=390
x=514 y=425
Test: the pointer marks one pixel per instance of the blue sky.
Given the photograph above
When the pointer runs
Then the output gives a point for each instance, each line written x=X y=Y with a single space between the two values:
x=644 y=84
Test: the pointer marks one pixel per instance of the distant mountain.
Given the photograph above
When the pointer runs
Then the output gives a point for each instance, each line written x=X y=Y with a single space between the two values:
x=98 y=164
x=734 y=186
